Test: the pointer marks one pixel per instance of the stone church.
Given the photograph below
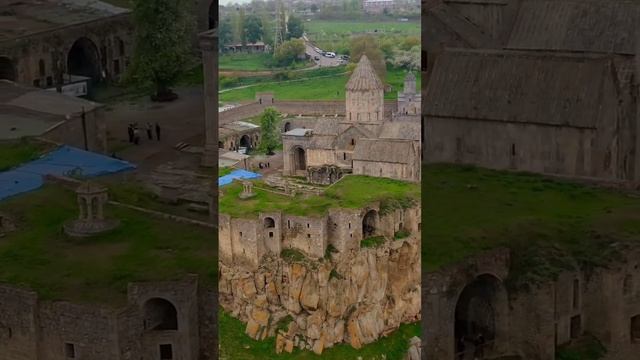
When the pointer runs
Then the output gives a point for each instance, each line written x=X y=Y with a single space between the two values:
x=364 y=141
x=534 y=85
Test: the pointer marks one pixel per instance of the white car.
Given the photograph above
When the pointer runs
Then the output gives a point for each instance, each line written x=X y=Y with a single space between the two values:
x=330 y=55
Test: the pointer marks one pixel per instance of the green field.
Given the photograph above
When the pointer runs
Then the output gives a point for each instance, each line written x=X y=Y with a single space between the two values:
x=320 y=88
x=234 y=344
x=351 y=192
x=323 y=28
x=548 y=224
x=252 y=62
x=15 y=153
x=97 y=270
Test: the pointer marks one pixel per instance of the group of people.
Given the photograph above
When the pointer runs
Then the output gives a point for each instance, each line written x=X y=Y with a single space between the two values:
x=134 y=132
x=478 y=347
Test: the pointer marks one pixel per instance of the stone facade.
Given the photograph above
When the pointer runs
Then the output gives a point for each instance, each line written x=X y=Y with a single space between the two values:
x=157 y=317
x=507 y=89
x=358 y=142
x=38 y=55
x=531 y=324
x=244 y=242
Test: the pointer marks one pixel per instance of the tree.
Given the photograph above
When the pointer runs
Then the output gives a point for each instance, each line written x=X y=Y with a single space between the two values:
x=314 y=8
x=253 y=29
x=226 y=32
x=289 y=52
x=241 y=27
x=269 y=135
x=367 y=45
x=409 y=60
x=295 y=28
x=163 y=44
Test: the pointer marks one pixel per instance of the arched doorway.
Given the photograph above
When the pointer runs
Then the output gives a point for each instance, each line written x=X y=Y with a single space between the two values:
x=369 y=222
x=213 y=15
x=245 y=141
x=478 y=313
x=269 y=223
x=83 y=59
x=7 y=69
x=287 y=126
x=299 y=159
x=160 y=314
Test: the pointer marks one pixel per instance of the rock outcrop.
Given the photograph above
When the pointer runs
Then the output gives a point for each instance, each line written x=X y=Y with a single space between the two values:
x=354 y=297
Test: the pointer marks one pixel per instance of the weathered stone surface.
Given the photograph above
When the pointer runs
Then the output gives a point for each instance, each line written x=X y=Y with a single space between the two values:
x=288 y=346
x=279 y=343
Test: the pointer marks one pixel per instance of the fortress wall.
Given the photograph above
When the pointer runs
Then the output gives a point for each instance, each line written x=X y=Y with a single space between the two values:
x=247 y=247
x=319 y=157
x=345 y=229
x=300 y=123
x=91 y=329
x=400 y=219
x=183 y=295
x=207 y=319
x=306 y=234
x=18 y=323
x=380 y=169
x=531 y=323
x=272 y=236
x=225 y=246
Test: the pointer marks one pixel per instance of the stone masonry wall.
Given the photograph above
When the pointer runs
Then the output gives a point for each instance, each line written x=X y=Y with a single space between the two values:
x=18 y=324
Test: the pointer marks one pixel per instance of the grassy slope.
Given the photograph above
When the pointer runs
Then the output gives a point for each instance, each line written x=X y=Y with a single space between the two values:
x=234 y=344
x=15 y=153
x=351 y=192
x=97 y=269
x=325 y=88
x=252 y=62
x=547 y=223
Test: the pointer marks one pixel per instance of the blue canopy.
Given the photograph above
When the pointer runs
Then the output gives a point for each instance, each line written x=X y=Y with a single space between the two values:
x=64 y=161
x=237 y=174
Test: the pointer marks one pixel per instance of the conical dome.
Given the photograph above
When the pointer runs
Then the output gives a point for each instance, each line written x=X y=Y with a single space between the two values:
x=364 y=77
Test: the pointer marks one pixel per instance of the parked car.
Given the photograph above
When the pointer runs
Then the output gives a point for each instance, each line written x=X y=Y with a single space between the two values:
x=330 y=54
x=344 y=57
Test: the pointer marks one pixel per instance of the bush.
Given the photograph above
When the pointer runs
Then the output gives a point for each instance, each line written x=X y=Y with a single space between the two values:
x=372 y=242
x=401 y=234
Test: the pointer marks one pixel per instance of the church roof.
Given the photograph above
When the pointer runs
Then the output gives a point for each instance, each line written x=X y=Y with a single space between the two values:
x=567 y=90
x=570 y=25
x=405 y=129
x=364 y=77
x=383 y=150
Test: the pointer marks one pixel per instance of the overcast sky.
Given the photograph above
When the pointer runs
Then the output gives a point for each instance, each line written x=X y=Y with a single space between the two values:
x=226 y=2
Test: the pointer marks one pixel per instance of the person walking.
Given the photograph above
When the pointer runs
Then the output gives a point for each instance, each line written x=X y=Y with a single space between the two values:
x=136 y=136
x=157 y=131
x=130 y=132
x=149 y=131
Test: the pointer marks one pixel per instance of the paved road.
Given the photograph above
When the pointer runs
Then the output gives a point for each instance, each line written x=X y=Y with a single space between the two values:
x=323 y=60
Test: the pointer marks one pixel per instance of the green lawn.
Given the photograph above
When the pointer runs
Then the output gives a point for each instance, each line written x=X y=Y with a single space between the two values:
x=234 y=344
x=252 y=62
x=323 y=88
x=350 y=192
x=323 y=28
x=18 y=152
x=548 y=224
x=97 y=270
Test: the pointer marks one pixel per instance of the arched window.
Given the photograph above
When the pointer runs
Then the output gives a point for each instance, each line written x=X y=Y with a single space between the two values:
x=160 y=314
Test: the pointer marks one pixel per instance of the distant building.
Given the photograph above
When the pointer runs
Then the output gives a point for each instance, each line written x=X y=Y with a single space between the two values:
x=377 y=6
x=258 y=46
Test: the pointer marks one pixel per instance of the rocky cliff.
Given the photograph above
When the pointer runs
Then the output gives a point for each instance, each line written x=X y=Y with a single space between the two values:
x=354 y=297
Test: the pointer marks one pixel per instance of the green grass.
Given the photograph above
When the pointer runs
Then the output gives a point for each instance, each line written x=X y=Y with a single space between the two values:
x=549 y=225
x=15 y=153
x=372 y=242
x=323 y=28
x=252 y=62
x=97 y=270
x=401 y=234
x=225 y=171
x=325 y=88
x=234 y=344
x=350 y=192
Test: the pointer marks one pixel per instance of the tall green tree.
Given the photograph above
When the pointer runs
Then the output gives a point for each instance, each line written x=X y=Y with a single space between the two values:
x=295 y=28
x=269 y=140
x=226 y=32
x=253 y=29
x=163 y=31
x=289 y=52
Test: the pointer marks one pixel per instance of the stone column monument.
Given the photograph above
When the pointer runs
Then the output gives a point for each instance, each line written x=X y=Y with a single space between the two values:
x=91 y=220
x=209 y=45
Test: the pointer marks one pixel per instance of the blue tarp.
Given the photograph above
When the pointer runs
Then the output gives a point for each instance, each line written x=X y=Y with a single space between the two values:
x=237 y=174
x=64 y=161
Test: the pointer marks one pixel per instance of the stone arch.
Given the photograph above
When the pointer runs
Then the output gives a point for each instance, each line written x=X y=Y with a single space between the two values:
x=160 y=314
x=299 y=158
x=245 y=141
x=287 y=126
x=269 y=223
x=369 y=224
x=7 y=69
x=83 y=59
x=220 y=145
x=482 y=308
